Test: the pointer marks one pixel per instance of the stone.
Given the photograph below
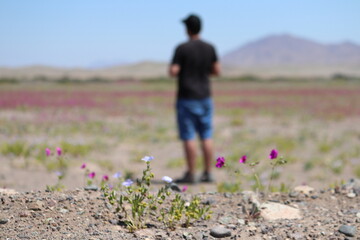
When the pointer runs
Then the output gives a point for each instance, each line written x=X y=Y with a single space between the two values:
x=293 y=194
x=353 y=185
x=349 y=231
x=227 y=220
x=173 y=186
x=351 y=195
x=220 y=232
x=273 y=211
x=35 y=206
x=241 y=221
x=91 y=188
x=304 y=189
x=3 y=220
x=358 y=215
x=209 y=201
x=6 y=191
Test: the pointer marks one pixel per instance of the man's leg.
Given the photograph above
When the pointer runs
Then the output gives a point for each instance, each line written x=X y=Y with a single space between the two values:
x=207 y=150
x=190 y=154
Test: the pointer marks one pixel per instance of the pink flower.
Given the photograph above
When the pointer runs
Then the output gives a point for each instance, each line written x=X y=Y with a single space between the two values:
x=59 y=151
x=83 y=166
x=47 y=151
x=220 y=162
x=91 y=175
x=273 y=154
x=243 y=159
x=184 y=188
x=105 y=178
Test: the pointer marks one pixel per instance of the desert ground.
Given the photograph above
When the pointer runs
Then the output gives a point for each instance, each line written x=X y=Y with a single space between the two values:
x=314 y=124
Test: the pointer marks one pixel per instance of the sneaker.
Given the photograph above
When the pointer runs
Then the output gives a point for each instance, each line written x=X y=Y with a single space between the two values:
x=187 y=178
x=207 y=178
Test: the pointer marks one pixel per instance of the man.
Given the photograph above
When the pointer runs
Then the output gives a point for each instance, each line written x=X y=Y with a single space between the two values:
x=193 y=62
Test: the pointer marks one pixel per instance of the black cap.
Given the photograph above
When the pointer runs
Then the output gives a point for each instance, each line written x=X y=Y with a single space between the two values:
x=193 y=23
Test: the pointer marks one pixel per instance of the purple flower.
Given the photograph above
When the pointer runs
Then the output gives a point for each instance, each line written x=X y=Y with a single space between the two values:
x=167 y=179
x=105 y=178
x=273 y=154
x=47 y=151
x=117 y=175
x=83 y=166
x=184 y=188
x=58 y=173
x=243 y=159
x=147 y=158
x=91 y=175
x=220 y=162
x=59 y=151
x=127 y=183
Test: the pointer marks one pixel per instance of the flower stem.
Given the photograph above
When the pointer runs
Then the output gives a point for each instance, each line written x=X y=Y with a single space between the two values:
x=271 y=177
x=258 y=184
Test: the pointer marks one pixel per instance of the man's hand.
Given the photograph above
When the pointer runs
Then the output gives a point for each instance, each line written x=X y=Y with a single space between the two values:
x=216 y=69
x=174 y=70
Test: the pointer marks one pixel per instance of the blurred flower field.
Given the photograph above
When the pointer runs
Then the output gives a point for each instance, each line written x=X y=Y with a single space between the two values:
x=314 y=124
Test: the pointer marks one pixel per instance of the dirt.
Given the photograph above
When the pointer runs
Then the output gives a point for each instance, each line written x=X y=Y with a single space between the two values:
x=80 y=214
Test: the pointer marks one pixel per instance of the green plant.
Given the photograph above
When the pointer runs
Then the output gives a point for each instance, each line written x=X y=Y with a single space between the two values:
x=137 y=203
x=58 y=186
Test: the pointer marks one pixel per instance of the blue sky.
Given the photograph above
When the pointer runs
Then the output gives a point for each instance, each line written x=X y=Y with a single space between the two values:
x=85 y=33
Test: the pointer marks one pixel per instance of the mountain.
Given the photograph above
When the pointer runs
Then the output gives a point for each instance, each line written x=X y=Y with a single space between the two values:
x=288 y=50
x=276 y=55
x=138 y=70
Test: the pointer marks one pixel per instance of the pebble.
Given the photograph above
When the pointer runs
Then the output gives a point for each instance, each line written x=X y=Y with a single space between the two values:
x=241 y=221
x=293 y=194
x=209 y=201
x=3 y=220
x=91 y=188
x=227 y=195
x=358 y=215
x=349 y=231
x=351 y=195
x=174 y=187
x=220 y=232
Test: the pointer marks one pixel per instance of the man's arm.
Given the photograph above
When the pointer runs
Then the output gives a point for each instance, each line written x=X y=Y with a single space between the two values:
x=174 y=70
x=216 y=69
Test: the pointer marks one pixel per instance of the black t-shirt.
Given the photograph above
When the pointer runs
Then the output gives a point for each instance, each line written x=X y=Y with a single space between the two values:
x=196 y=59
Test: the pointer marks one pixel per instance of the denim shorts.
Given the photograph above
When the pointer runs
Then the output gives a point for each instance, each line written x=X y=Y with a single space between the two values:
x=194 y=116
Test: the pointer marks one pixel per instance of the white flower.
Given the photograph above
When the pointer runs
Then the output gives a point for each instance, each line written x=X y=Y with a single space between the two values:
x=167 y=179
x=147 y=158
x=117 y=175
x=127 y=183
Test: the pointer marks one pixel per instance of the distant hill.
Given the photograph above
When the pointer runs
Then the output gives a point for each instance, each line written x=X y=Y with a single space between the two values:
x=276 y=55
x=287 y=50
x=130 y=71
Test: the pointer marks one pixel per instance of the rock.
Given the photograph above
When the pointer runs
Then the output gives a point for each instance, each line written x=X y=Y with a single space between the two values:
x=220 y=232
x=358 y=215
x=209 y=201
x=3 y=220
x=304 y=189
x=293 y=194
x=173 y=186
x=227 y=220
x=273 y=211
x=35 y=206
x=91 y=188
x=63 y=210
x=227 y=195
x=351 y=195
x=349 y=231
x=353 y=185
x=241 y=221
x=8 y=191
